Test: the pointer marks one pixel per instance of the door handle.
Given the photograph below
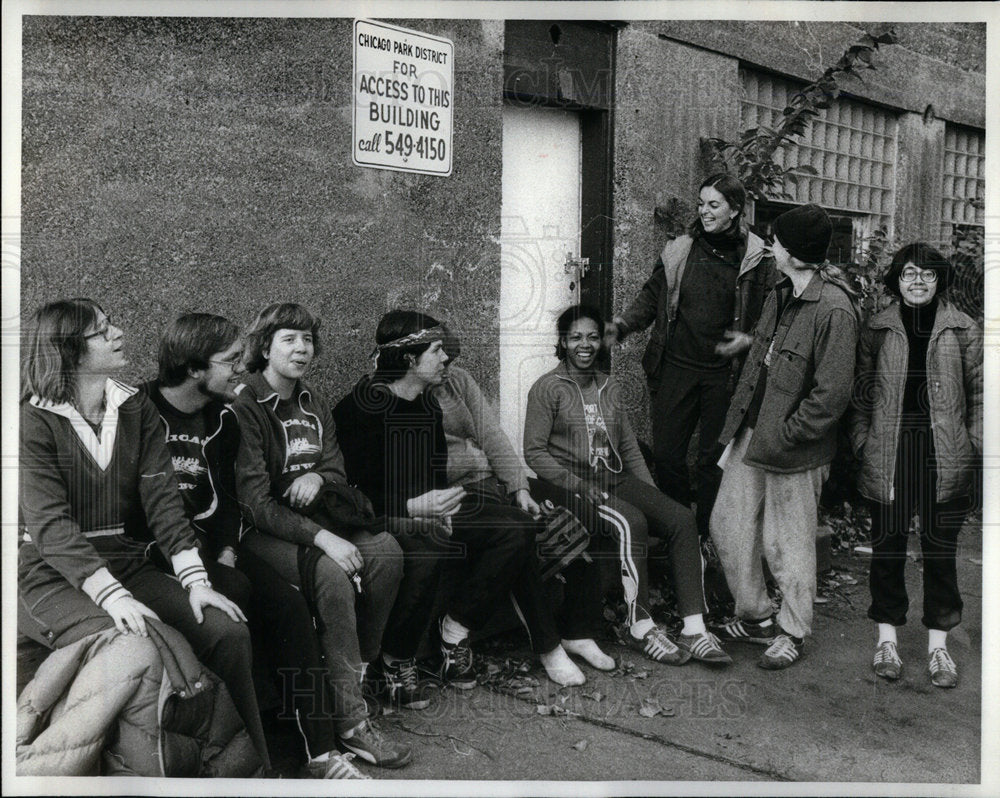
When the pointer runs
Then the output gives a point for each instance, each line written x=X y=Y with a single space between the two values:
x=578 y=266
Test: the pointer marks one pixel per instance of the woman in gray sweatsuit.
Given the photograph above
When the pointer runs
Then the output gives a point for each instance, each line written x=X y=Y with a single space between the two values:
x=578 y=440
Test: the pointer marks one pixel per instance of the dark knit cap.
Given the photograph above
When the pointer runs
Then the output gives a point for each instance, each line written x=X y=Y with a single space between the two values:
x=805 y=232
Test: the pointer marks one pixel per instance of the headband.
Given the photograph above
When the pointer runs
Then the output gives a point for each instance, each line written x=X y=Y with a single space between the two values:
x=435 y=333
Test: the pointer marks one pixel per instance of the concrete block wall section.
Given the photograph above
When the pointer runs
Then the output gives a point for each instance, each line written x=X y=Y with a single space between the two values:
x=667 y=96
x=921 y=69
x=172 y=165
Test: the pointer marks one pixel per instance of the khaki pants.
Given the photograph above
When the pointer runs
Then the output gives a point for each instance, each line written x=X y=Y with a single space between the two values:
x=762 y=513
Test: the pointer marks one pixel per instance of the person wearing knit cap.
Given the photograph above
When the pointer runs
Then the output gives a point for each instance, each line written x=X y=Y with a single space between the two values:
x=916 y=425
x=781 y=435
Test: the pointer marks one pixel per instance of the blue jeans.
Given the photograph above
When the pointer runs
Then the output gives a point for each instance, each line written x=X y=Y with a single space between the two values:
x=350 y=625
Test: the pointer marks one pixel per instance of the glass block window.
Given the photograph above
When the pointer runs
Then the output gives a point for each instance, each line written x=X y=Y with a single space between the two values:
x=851 y=145
x=964 y=175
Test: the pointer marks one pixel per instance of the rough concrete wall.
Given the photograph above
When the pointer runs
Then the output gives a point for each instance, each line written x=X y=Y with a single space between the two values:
x=961 y=44
x=905 y=78
x=172 y=165
x=668 y=96
x=919 y=174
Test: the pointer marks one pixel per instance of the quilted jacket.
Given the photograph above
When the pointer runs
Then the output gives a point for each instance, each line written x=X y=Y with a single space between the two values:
x=955 y=391
x=161 y=713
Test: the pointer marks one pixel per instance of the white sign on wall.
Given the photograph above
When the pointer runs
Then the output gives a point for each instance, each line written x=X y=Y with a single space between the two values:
x=403 y=99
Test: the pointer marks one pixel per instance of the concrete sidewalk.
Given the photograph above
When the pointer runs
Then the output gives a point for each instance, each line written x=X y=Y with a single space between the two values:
x=828 y=718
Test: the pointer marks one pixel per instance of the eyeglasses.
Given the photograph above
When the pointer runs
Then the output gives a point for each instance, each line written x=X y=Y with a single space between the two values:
x=909 y=274
x=233 y=362
x=104 y=328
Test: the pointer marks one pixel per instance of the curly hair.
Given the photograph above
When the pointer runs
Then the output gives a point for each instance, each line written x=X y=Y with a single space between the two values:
x=569 y=316
x=923 y=256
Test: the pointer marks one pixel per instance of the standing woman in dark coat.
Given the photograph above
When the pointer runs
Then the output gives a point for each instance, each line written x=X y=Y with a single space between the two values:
x=917 y=426
x=703 y=298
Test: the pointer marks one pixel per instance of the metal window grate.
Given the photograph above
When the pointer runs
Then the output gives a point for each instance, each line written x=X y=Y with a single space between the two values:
x=964 y=175
x=851 y=145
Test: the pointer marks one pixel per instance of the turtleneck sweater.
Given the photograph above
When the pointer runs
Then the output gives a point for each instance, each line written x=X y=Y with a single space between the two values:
x=918 y=322
x=707 y=299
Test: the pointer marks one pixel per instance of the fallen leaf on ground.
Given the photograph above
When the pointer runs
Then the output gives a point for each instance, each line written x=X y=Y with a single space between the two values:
x=543 y=709
x=581 y=746
x=650 y=707
x=597 y=695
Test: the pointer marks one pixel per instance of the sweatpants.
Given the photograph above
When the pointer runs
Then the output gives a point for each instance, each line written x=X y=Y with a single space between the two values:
x=940 y=522
x=349 y=624
x=687 y=398
x=760 y=512
x=635 y=510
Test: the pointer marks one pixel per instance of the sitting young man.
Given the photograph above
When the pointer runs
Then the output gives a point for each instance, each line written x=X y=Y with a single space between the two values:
x=200 y=365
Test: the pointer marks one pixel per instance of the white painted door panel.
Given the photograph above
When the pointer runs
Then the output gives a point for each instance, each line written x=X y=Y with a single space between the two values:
x=540 y=229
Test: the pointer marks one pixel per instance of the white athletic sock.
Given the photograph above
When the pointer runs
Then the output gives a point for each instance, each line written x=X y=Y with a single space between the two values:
x=936 y=638
x=390 y=660
x=452 y=631
x=694 y=625
x=886 y=632
x=588 y=649
x=561 y=669
x=321 y=758
x=639 y=628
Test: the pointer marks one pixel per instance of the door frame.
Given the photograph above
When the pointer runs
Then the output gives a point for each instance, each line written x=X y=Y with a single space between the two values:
x=571 y=65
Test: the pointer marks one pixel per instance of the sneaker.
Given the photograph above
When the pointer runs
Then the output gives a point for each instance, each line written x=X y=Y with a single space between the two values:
x=704 y=647
x=656 y=645
x=944 y=672
x=784 y=651
x=336 y=766
x=457 y=665
x=739 y=630
x=887 y=663
x=369 y=743
x=402 y=685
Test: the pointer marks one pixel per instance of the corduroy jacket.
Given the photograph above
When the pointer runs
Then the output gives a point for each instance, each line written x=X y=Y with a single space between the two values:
x=954 y=388
x=809 y=379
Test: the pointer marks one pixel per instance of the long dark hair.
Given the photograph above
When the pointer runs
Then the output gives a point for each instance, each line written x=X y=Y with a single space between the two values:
x=55 y=343
x=729 y=187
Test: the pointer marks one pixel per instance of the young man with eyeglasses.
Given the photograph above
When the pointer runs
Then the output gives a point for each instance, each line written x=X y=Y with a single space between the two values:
x=200 y=367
